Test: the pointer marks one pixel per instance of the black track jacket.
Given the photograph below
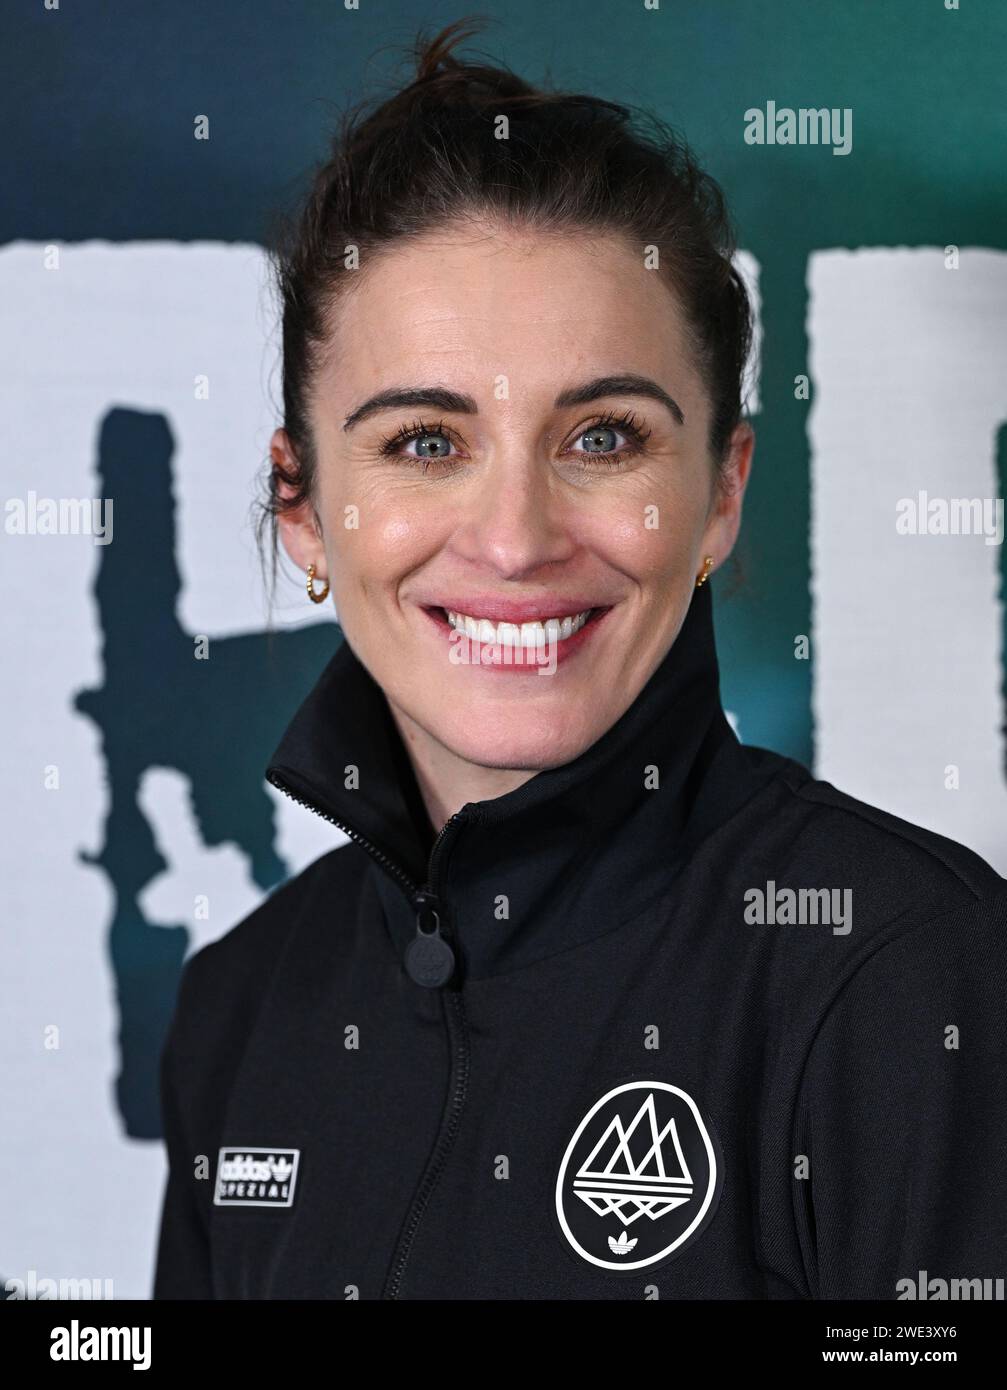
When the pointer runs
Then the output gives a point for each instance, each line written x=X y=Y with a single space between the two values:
x=673 y=1020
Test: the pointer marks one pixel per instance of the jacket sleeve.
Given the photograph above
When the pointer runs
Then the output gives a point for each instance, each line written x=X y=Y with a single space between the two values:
x=183 y=1251
x=903 y=1116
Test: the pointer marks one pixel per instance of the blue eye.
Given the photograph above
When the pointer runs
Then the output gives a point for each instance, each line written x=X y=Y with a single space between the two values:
x=432 y=445
x=601 y=438
x=432 y=442
x=597 y=438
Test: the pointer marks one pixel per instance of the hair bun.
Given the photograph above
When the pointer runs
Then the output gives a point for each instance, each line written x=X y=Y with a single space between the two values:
x=435 y=56
x=443 y=78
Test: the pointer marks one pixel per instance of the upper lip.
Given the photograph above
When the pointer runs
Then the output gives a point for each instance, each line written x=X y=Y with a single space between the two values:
x=509 y=610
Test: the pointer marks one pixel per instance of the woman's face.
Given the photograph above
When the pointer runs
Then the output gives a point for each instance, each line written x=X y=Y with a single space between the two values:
x=514 y=488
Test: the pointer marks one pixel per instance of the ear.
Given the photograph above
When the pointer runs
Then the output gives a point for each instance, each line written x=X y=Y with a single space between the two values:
x=724 y=520
x=299 y=528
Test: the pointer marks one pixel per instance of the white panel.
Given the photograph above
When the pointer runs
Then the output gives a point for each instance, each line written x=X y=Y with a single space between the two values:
x=128 y=325
x=909 y=363
x=750 y=270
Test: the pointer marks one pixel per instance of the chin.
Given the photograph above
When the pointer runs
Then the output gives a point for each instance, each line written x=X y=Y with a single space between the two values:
x=519 y=740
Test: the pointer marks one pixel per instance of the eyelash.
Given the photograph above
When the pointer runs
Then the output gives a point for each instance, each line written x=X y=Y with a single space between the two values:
x=625 y=422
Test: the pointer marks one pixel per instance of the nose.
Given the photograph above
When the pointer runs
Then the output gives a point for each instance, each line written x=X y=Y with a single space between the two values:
x=514 y=518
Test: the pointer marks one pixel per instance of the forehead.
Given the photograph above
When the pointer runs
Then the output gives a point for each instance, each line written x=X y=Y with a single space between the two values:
x=468 y=305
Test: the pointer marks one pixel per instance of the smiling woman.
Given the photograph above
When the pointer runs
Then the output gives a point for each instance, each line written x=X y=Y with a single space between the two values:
x=559 y=487
x=523 y=381
x=523 y=1036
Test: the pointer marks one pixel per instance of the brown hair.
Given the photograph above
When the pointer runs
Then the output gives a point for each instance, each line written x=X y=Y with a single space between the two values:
x=428 y=157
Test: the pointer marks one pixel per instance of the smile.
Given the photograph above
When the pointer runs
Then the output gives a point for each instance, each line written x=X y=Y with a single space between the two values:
x=532 y=635
x=511 y=636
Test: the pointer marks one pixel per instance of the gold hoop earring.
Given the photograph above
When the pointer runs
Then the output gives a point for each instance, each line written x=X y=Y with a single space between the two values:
x=312 y=595
x=707 y=566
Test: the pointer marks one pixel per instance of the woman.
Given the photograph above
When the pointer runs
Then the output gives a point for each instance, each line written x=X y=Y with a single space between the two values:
x=598 y=1003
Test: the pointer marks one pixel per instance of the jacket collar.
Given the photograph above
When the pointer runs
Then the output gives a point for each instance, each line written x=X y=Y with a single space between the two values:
x=569 y=855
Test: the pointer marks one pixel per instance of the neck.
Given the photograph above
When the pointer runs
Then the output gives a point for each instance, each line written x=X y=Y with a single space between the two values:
x=446 y=781
x=560 y=854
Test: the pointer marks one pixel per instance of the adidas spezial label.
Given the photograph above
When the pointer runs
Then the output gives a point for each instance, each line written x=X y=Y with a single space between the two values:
x=255 y=1177
x=639 y=1179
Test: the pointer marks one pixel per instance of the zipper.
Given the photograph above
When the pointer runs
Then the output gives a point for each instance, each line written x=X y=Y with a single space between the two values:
x=426 y=900
x=435 y=849
x=459 y=1052
x=275 y=780
x=453 y=1008
x=429 y=959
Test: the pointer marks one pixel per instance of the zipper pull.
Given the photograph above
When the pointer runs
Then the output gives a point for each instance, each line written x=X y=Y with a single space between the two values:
x=429 y=959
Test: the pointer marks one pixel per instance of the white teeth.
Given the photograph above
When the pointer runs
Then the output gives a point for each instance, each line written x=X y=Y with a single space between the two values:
x=514 y=635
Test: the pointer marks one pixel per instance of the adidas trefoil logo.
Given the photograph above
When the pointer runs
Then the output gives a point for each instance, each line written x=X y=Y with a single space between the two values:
x=254 y=1176
x=622 y=1246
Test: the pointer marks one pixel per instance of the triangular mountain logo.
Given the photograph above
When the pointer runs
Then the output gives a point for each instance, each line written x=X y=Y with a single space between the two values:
x=612 y=1180
x=643 y=1157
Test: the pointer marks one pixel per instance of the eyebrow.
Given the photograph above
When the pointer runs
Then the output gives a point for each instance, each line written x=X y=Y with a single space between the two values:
x=442 y=398
x=626 y=385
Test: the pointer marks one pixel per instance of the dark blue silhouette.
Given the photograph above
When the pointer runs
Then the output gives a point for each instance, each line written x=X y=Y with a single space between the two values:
x=215 y=721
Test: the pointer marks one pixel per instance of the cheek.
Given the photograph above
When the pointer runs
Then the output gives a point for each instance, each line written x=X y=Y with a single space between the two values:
x=385 y=545
x=394 y=535
x=396 y=515
x=652 y=541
